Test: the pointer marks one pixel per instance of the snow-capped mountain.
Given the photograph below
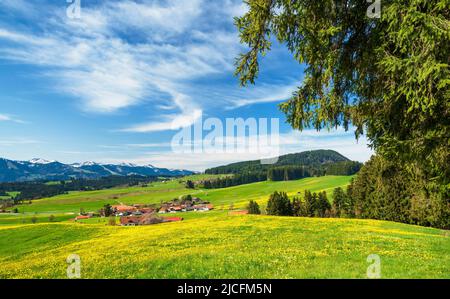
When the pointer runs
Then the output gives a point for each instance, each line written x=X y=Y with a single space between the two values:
x=84 y=164
x=128 y=165
x=40 y=161
x=41 y=169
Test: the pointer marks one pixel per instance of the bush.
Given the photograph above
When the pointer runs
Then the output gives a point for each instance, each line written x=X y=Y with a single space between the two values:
x=107 y=210
x=190 y=184
x=253 y=208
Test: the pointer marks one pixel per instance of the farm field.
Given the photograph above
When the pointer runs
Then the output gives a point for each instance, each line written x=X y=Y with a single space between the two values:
x=214 y=244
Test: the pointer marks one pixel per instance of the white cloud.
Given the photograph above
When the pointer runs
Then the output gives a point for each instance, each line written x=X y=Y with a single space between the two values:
x=149 y=145
x=95 y=60
x=170 y=123
x=6 y=117
x=264 y=94
x=172 y=17
x=173 y=44
x=337 y=139
x=20 y=6
x=18 y=141
x=290 y=142
x=236 y=9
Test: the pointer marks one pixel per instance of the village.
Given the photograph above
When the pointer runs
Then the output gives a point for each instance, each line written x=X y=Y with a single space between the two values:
x=148 y=214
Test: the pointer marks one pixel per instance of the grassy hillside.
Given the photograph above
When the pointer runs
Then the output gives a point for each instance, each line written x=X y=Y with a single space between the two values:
x=221 y=246
x=214 y=244
x=157 y=192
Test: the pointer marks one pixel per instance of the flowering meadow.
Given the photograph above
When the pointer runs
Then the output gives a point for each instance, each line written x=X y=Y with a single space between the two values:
x=225 y=246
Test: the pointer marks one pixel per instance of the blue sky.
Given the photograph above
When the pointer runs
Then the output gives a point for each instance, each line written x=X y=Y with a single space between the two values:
x=109 y=85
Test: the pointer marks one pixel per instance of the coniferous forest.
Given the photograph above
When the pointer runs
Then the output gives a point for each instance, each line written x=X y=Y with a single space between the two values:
x=288 y=167
x=386 y=78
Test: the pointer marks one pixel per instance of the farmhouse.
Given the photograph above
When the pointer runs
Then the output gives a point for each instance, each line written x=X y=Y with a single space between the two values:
x=81 y=217
x=175 y=209
x=129 y=220
x=163 y=210
x=146 y=210
x=139 y=206
x=123 y=209
x=203 y=207
x=182 y=204
x=185 y=204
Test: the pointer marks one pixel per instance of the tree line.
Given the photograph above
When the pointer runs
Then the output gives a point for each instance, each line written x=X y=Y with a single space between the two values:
x=233 y=180
x=318 y=161
x=390 y=190
x=283 y=173
x=41 y=189
x=311 y=205
x=361 y=201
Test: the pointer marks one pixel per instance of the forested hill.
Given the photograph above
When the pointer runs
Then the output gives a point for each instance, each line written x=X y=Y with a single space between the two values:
x=318 y=159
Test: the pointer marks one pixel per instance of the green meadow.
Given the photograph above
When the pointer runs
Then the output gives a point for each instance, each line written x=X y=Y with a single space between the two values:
x=224 y=246
x=166 y=191
x=214 y=244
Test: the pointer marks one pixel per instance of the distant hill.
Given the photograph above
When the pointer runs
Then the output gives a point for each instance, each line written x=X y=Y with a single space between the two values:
x=40 y=169
x=318 y=159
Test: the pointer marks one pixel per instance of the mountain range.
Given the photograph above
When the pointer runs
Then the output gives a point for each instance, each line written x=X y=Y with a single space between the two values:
x=40 y=169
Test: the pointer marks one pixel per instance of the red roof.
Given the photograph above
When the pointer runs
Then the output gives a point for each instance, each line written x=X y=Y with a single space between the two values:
x=82 y=217
x=129 y=219
x=123 y=208
x=244 y=212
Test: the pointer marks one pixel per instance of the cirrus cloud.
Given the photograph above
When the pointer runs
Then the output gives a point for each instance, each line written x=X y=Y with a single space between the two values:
x=93 y=60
